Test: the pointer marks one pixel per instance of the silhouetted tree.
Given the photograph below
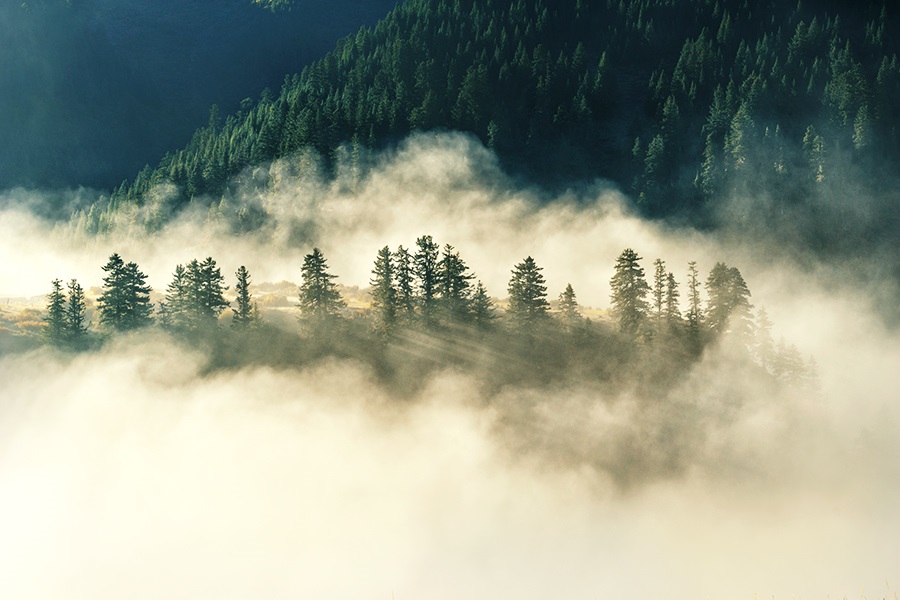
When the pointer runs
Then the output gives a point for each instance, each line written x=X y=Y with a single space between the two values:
x=384 y=295
x=124 y=303
x=568 y=308
x=55 y=321
x=320 y=301
x=482 y=311
x=404 y=284
x=453 y=285
x=76 y=311
x=425 y=261
x=729 y=305
x=527 y=295
x=245 y=313
x=629 y=293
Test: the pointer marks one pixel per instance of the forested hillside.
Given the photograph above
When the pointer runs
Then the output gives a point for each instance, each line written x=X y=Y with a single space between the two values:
x=681 y=103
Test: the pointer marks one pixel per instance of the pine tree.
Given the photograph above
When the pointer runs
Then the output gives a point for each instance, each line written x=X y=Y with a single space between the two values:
x=425 y=261
x=245 y=314
x=404 y=284
x=659 y=289
x=207 y=290
x=175 y=311
x=137 y=296
x=453 y=285
x=568 y=308
x=629 y=293
x=111 y=303
x=76 y=309
x=124 y=303
x=55 y=330
x=695 y=311
x=320 y=301
x=729 y=305
x=527 y=295
x=384 y=295
x=671 y=312
x=482 y=311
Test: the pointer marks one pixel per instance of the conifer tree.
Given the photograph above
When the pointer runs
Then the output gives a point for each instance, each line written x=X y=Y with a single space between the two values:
x=384 y=295
x=672 y=313
x=207 y=290
x=629 y=293
x=527 y=295
x=568 y=308
x=404 y=284
x=175 y=311
x=137 y=296
x=245 y=313
x=320 y=301
x=659 y=289
x=453 y=284
x=729 y=304
x=425 y=261
x=55 y=330
x=124 y=303
x=482 y=310
x=76 y=309
x=695 y=311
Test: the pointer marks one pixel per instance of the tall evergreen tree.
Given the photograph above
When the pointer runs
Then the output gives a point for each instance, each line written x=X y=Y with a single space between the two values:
x=568 y=308
x=55 y=321
x=137 y=295
x=527 y=295
x=695 y=310
x=76 y=311
x=384 y=295
x=671 y=311
x=208 y=288
x=453 y=285
x=729 y=304
x=245 y=314
x=659 y=289
x=425 y=261
x=175 y=312
x=482 y=311
x=404 y=284
x=320 y=300
x=124 y=303
x=629 y=292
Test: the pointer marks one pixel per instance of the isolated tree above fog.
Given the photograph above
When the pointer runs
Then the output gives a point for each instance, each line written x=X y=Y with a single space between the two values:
x=527 y=295
x=629 y=293
x=124 y=303
x=320 y=300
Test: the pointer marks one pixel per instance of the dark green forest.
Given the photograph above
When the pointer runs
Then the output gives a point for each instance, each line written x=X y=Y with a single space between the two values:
x=683 y=104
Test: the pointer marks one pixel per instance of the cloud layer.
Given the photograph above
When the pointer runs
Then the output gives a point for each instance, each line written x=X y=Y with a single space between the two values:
x=136 y=471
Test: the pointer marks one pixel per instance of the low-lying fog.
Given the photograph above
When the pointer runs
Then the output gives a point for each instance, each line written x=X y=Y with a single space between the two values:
x=133 y=471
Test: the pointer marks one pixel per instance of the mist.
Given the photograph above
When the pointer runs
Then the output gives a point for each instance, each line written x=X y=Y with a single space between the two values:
x=137 y=470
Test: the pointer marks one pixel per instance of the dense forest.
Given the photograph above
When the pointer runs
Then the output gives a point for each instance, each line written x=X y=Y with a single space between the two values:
x=425 y=311
x=681 y=103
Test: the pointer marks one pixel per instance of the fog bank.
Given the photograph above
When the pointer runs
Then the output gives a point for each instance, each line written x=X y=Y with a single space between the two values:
x=136 y=471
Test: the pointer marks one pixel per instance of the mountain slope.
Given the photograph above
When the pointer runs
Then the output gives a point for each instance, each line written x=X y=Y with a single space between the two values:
x=684 y=104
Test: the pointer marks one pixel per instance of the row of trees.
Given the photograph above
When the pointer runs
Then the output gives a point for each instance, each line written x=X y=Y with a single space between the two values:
x=193 y=300
x=429 y=287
